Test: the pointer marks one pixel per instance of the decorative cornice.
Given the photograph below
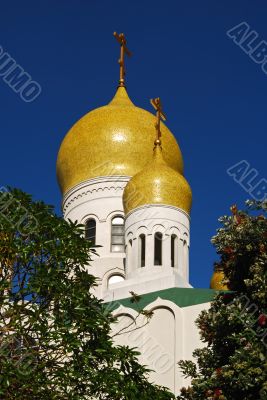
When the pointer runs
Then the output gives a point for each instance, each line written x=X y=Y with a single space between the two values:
x=110 y=183
x=158 y=206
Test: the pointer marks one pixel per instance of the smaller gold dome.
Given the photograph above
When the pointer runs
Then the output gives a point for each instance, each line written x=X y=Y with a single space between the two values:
x=216 y=281
x=157 y=183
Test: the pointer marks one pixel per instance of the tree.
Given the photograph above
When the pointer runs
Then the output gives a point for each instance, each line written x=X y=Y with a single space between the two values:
x=55 y=338
x=233 y=365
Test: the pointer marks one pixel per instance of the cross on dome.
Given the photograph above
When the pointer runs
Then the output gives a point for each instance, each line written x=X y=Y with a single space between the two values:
x=122 y=41
x=156 y=103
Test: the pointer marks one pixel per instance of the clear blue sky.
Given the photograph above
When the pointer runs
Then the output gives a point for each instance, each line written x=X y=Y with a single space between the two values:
x=213 y=93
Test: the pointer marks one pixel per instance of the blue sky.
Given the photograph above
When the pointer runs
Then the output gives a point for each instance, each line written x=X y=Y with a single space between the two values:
x=213 y=93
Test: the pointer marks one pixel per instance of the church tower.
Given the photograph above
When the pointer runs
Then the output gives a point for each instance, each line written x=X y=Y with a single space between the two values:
x=123 y=179
x=157 y=202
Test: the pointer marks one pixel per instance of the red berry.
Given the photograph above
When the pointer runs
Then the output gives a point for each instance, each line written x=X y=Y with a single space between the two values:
x=217 y=393
x=262 y=320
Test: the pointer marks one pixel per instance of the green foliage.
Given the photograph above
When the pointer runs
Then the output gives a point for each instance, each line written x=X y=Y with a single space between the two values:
x=55 y=334
x=233 y=365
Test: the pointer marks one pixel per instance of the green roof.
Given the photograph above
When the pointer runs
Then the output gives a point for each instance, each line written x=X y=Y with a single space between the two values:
x=182 y=297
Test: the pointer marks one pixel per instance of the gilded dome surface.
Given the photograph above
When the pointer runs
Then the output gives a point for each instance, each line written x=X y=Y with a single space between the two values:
x=157 y=183
x=112 y=140
x=216 y=281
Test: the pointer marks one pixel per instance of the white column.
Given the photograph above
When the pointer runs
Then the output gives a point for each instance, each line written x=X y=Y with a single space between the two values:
x=149 y=250
x=128 y=258
x=176 y=245
x=180 y=264
x=166 y=251
x=186 y=261
x=135 y=251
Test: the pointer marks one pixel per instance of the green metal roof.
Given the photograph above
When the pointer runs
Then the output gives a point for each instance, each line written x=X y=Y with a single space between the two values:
x=182 y=297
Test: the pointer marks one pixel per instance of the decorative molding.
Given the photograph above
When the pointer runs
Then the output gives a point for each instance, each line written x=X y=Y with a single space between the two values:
x=110 y=184
x=158 y=205
x=181 y=234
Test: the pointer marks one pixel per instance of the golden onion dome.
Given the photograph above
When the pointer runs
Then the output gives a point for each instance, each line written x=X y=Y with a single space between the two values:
x=157 y=183
x=112 y=140
x=216 y=281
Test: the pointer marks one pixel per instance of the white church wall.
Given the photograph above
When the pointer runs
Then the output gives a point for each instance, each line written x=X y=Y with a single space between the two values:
x=170 y=336
x=163 y=355
x=190 y=331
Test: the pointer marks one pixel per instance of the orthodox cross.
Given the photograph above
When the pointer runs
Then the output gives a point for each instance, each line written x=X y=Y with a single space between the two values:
x=122 y=41
x=156 y=103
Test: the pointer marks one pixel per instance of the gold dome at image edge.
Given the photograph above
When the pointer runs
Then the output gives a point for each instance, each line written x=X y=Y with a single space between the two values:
x=112 y=140
x=216 y=281
x=157 y=183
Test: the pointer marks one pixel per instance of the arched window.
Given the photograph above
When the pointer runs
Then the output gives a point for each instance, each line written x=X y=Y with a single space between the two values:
x=158 y=248
x=142 y=250
x=117 y=235
x=115 y=279
x=174 y=248
x=90 y=230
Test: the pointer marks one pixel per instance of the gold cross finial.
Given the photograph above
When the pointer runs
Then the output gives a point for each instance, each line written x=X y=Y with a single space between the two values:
x=122 y=41
x=156 y=103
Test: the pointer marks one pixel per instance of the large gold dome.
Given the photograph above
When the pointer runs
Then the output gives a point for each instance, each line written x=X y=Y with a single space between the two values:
x=157 y=183
x=112 y=140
